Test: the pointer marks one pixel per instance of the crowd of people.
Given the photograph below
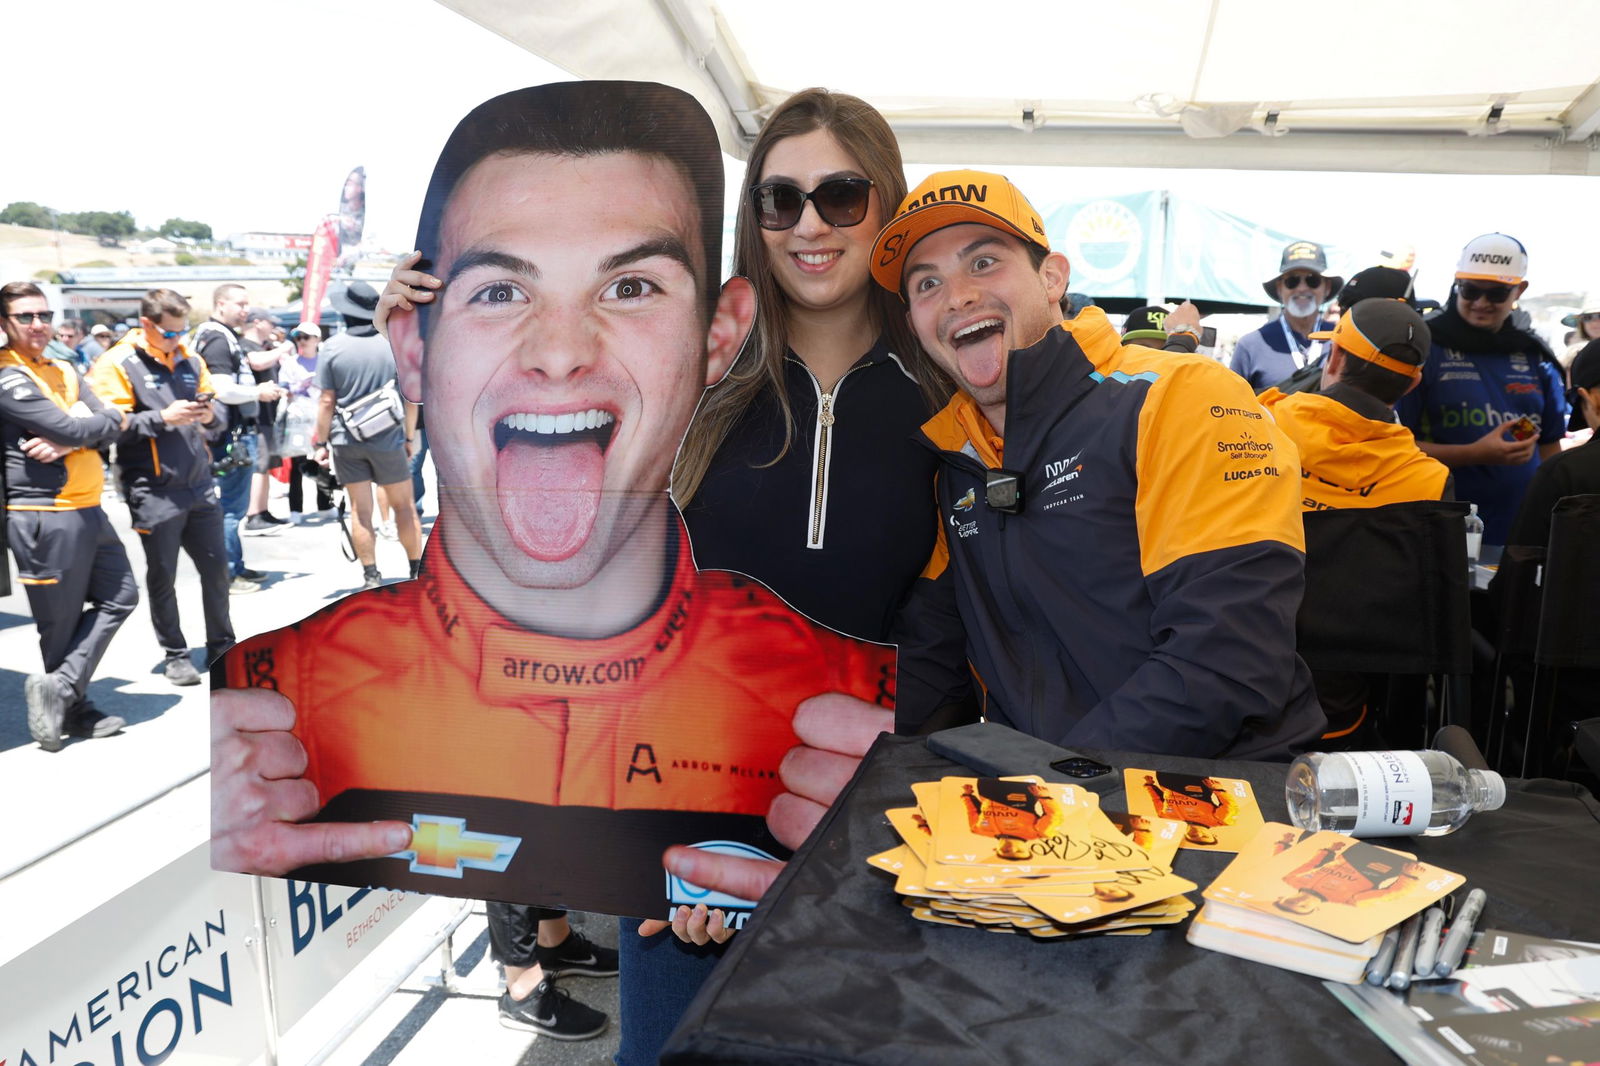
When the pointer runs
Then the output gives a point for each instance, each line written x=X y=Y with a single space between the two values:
x=1091 y=534
x=182 y=423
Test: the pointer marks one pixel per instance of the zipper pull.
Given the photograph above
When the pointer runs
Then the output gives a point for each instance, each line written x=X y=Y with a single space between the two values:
x=826 y=418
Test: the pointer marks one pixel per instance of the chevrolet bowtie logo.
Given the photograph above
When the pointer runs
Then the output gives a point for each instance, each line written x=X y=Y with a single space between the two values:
x=444 y=847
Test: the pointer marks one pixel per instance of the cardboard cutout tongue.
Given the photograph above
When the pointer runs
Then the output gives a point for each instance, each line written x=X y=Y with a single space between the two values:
x=549 y=494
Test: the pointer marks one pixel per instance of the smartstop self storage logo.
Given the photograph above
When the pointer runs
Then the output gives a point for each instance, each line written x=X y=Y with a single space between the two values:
x=146 y=1008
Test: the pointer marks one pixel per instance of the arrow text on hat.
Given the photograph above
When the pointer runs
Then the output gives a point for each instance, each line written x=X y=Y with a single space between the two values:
x=965 y=193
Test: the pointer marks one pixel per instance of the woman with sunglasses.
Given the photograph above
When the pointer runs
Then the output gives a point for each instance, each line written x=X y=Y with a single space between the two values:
x=1490 y=404
x=800 y=468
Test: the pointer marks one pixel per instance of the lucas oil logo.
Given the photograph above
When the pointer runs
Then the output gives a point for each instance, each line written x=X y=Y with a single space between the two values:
x=687 y=893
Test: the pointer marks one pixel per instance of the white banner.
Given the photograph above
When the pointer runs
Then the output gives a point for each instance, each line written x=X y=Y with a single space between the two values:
x=316 y=934
x=160 y=974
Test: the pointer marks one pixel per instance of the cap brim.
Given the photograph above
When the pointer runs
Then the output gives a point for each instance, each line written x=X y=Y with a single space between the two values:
x=897 y=239
x=1498 y=279
x=1321 y=335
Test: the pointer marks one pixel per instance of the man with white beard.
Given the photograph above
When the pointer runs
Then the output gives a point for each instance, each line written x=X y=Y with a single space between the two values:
x=1284 y=345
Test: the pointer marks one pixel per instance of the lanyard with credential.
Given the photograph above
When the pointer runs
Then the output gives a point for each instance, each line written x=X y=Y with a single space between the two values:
x=1298 y=354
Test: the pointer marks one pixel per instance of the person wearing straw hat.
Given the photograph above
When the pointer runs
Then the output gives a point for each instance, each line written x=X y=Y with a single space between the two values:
x=1283 y=346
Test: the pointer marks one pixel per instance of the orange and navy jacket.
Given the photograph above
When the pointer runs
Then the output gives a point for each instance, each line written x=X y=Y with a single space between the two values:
x=1359 y=872
x=419 y=698
x=1144 y=599
x=36 y=400
x=1350 y=455
x=161 y=466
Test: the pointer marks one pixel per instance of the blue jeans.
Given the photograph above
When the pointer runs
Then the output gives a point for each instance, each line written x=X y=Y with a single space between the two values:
x=234 y=489
x=659 y=977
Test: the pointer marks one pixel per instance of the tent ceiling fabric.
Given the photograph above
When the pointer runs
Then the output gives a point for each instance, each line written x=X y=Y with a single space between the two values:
x=1463 y=86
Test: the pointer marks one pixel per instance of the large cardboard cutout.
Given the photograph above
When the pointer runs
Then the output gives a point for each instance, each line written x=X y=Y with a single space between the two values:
x=561 y=695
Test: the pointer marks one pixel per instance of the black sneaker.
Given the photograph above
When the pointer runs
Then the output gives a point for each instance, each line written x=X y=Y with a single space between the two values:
x=577 y=956
x=551 y=1012
x=180 y=669
x=46 y=710
x=259 y=525
x=89 y=723
x=274 y=519
x=370 y=578
x=253 y=575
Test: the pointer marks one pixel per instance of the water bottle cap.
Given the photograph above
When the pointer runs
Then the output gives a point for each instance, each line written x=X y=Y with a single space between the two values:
x=1472 y=508
x=1496 y=788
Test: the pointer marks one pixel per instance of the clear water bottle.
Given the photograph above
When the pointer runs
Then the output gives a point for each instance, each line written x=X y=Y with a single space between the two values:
x=1388 y=793
x=1474 y=540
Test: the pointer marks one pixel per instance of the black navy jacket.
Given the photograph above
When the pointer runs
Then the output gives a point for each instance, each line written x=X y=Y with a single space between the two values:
x=1145 y=597
x=843 y=523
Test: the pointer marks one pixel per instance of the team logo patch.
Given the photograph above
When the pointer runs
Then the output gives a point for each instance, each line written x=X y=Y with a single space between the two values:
x=443 y=847
x=967 y=502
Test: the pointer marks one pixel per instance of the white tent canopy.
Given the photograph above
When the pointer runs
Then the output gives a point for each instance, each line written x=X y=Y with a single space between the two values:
x=1422 y=86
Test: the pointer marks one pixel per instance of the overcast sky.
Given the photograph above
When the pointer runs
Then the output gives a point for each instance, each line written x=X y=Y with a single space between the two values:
x=256 y=127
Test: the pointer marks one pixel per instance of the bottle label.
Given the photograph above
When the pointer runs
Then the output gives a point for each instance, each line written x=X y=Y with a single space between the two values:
x=1394 y=793
x=1474 y=546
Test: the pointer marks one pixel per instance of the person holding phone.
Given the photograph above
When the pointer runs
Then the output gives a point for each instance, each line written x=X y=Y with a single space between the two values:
x=1490 y=402
x=164 y=458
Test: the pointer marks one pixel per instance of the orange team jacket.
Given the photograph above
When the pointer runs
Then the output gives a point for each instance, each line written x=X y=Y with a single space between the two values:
x=1017 y=813
x=1209 y=808
x=1348 y=459
x=1359 y=872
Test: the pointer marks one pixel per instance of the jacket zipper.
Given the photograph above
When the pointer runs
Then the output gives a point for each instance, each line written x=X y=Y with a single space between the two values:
x=817 y=522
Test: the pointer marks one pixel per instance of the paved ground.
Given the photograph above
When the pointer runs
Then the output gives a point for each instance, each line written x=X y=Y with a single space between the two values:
x=89 y=784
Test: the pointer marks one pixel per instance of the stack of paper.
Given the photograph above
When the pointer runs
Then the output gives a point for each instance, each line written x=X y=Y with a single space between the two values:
x=1019 y=854
x=1317 y=903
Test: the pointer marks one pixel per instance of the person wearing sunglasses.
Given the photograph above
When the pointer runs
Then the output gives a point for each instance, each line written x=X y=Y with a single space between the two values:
x=69 y=558
x=1284 y=346
x=1491 y=403
x=164 y=459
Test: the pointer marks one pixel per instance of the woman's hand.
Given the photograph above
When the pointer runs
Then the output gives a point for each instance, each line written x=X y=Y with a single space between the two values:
x=406 y=289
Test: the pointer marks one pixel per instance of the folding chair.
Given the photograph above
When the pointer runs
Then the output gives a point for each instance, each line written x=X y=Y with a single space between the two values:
x=1569 y=629
x=1386 y=593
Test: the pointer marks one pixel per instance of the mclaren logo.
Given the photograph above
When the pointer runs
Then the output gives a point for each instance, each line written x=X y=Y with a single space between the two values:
x=444 y=847
x=967 y=502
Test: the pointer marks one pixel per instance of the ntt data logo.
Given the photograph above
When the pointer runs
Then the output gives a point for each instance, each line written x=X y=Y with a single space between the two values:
x=686 y=893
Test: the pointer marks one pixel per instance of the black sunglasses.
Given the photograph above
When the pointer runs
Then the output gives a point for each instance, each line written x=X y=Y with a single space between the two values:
x=839 y=202
x=30 y=317
x=1292 y=281
x=1495 y=294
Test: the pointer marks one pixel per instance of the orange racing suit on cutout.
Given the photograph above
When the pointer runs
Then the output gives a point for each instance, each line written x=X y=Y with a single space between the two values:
x=419 y=699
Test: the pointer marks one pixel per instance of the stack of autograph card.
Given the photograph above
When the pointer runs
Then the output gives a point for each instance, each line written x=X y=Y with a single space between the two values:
x=1019 y=854
x=1317 y=903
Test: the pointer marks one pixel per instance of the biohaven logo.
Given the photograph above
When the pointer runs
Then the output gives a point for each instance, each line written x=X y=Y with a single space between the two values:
x=681 y=893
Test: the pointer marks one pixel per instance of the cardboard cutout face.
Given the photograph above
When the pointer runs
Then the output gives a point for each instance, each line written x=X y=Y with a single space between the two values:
x=560 y=695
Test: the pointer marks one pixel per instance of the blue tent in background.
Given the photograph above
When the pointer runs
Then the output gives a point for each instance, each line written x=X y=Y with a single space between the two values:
x=1154 y=245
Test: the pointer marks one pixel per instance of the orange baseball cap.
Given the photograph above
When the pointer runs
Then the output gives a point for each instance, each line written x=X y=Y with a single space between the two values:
x=948 y=198
x=1383 y=323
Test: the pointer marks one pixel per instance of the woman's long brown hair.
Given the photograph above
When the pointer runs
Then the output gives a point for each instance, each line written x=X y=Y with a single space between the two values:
x=862 y=132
